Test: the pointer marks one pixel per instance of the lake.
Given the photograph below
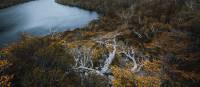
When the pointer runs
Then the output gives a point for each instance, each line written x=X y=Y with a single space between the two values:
x=40 y=17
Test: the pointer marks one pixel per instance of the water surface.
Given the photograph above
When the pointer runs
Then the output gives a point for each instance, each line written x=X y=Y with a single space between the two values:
x=40 y=17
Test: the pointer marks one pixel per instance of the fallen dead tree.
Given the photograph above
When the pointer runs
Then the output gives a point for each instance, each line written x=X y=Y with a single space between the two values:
x=84 y=63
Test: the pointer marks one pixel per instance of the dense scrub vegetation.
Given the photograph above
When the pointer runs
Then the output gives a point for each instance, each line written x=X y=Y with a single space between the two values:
x=6 y=3
x=163 y=33
x=166 y=29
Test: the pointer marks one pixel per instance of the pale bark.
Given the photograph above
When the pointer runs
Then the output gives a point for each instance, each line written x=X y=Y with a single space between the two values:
x=110 y=57
x=129 y=52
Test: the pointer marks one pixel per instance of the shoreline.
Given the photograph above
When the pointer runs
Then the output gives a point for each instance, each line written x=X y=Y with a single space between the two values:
x=9 y=3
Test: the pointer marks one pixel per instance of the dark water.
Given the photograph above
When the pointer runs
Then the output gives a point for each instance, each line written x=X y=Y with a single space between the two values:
x=40 y=17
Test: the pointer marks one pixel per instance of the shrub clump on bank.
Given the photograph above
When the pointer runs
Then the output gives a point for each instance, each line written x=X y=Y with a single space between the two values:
x=7 y=3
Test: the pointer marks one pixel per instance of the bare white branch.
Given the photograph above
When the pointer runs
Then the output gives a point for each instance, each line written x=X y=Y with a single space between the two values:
x=83 y=57
x=129 y=52
x=110 y=57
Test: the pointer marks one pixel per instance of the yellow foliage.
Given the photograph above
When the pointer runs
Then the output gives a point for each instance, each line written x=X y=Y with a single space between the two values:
x=148 y=81
x=153 y=67
x=89 y=34
x=5 y=81
x=123 y=77
x=71 y=45
x=160 y=25
x=86 y=43
x=3 y=63
x=97 y=53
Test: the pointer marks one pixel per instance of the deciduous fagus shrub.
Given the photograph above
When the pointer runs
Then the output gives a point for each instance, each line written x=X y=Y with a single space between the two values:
x=5 y=80
x=152 y=74
x=148 y=81
x=3 y=63
x=123 y=77
x=152 y=67
x=40 y=61
x=126 y=78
